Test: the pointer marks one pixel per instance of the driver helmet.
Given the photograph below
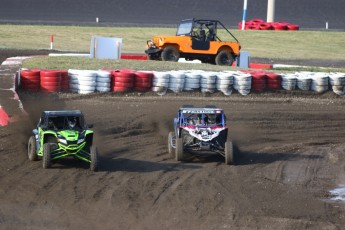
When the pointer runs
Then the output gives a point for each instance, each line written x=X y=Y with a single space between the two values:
x=72 y=121
x=212 y=118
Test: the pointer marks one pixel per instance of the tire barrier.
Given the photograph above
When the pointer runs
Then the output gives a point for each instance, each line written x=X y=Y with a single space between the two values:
x=176 y=81
x=242 y=83
x=82 y=81
x=225 y=81
x=51 y=81
x=258 y=81
x=273 y=81
x=208 y=82
x=192 y=80
x=64 y=81
x=303 y=82
x=259 y=24
x=337 y=81
x=160 y=82
x=30 y=80
x=103 y=81
x=124 y=80
x=289 y=81
x=143 y=81
x=319 y=82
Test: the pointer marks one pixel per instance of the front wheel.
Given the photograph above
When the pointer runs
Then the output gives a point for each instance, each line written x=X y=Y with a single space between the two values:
x=46 y=160
x=170 y=148
x=179 y=149
x=229 y=153
x=94 y=158
x=32 y=150
x=170 y=53
x=224 y=57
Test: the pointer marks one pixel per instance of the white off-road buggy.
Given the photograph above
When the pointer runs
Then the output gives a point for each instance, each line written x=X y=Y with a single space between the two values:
x=200 y=130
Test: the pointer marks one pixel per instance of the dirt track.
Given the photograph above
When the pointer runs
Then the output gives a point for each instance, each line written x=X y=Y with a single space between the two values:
x=290 y=155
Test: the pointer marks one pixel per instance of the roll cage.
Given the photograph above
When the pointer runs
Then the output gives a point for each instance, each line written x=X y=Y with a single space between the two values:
x=58 y=120
x=201 y=117
x=202 y=29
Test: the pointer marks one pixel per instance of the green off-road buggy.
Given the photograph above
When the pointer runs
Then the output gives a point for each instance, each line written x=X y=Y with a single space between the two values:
x=60 y=134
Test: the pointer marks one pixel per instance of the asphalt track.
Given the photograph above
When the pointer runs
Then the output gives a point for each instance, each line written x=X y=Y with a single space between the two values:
x=309 y=14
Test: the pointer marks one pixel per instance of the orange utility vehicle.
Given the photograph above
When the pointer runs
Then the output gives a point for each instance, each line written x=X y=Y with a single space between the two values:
x=196 y=39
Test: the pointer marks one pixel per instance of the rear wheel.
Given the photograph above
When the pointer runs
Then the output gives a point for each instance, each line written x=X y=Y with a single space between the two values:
x=94 y=158
x=179 y=149
x=32 y=151
x=170 y=148
x=170 y=53
x=224 y=57
x=229 y=153
x=46 y=160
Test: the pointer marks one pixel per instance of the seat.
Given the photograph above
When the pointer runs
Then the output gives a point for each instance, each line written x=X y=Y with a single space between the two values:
x=202 y=36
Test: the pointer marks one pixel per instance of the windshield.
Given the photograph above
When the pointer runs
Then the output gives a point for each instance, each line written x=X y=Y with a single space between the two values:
x=184 y=28
x=61 y=122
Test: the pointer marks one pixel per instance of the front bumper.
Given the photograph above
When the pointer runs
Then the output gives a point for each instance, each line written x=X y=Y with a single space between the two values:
x=80 y=151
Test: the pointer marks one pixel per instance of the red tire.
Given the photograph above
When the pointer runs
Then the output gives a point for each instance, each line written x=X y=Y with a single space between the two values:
x=256 y=21
x=279 y=26
x=28 y=73
x=56 y=84
x=123 y=84
x=142 y=84
x=50 y=79
x=292 y=27
x=30 y=77
x=50 y=73
x=258 y=75
x=273 y=76
x=254 y=26
x=266 y=26
x=143 y=75
x=120 y=89
x=25 y=81
x=274 y=86
x=50 y=88
x=142 y=89
x=30 y=87
x=142 y=80
x=123 y=79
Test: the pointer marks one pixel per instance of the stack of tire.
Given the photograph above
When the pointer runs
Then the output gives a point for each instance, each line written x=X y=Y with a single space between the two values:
x=319 y=82
x=160 y=82
x=259 y=24
x=53 y=81
x=303 y=81
x=143 y=81
x=103 y=81
x=208 y=82
x=225 y=81
x=30 y=79
x=177 y=80
x=122 y=80
x=242 y=83
x=337 y=81
x=82 y=81
x=192 y=80
x=273 y=81
x=258 y=81
x=289 y=81
x=64 y=80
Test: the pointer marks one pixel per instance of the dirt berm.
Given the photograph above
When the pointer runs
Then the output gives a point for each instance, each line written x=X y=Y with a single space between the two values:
x=290 y=154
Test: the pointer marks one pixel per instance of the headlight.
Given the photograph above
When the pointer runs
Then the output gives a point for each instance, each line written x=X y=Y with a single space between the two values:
x=80 y=141
x=63 y=141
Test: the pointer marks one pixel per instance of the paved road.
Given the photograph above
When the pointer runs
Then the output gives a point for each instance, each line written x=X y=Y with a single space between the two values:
x=309 y=14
